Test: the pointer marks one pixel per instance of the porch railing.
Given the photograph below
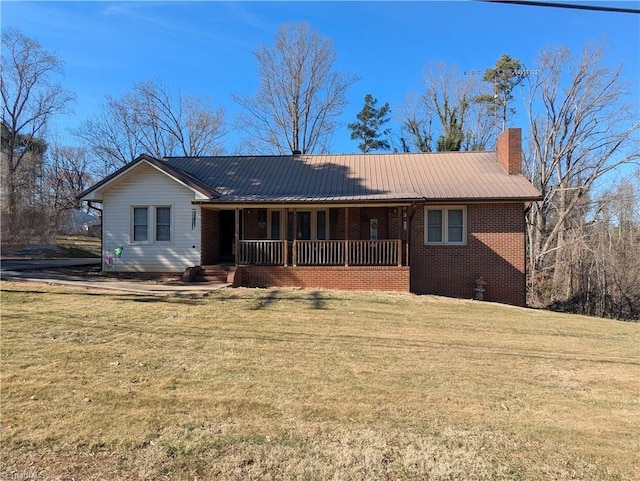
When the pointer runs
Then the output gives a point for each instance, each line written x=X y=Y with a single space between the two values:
x=375 y=253
x=321 y=252
x=318 y=253
x=269 y=252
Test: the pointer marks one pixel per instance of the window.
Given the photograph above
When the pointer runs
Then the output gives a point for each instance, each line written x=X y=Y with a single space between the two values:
x=455 y=226
x=163 y=224
x=446 y=225
x=321 y=225
x=434 y=226
x=275 y=225
x=140 y=224
x=303 y=228
x=308 y=225
x=158 y=230
x=262 y=223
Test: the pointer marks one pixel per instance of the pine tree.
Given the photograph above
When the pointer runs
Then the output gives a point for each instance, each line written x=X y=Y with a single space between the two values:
x=505 y=76
x=367 y=128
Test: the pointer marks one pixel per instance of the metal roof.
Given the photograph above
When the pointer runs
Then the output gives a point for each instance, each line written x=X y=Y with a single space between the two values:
x=356 y=177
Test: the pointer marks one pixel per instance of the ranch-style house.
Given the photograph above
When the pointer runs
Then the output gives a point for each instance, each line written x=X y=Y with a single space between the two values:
x=449 y=223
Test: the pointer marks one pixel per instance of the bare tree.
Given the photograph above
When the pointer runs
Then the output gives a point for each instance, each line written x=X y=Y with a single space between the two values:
x=448 y=95
x=151 y=119
x=67 y=172
x=300 y=94
x=479 y=132
x=30 y=98
x=615 y=244
x=449 y=99
x=581 y=129
x=416 y=120
x=602 y=262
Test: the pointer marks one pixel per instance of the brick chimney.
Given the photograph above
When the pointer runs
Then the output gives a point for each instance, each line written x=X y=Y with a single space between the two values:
x=509 y=150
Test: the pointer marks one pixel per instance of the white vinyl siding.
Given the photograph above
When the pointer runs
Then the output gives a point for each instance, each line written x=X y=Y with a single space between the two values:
x=147 y=188
x=445 y=225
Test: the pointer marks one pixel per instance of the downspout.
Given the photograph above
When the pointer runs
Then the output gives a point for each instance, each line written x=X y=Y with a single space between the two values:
x=93 y=207
x=236 y=236
x=411 y=213
x=527 y=254
x=101 y=233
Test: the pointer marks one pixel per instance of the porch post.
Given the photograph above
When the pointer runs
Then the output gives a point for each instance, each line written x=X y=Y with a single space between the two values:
x=285 y=250
x=407 y=234
x=400 y=226
x=294 y=247
x=285 y=228
x=237 y=235
x=346 y=237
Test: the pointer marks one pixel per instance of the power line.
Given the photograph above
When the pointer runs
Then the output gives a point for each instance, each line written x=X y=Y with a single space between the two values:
x=575 y=6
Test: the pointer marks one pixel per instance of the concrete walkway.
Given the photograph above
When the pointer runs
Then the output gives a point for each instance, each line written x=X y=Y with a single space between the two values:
x=31 y=270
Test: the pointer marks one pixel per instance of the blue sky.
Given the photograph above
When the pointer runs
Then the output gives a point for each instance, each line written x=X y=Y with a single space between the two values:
x=205 y=48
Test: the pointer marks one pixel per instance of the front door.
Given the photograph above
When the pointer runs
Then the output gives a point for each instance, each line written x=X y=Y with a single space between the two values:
x=228 y=234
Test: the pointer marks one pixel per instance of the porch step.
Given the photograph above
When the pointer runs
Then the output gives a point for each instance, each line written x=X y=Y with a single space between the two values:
x=213 y=273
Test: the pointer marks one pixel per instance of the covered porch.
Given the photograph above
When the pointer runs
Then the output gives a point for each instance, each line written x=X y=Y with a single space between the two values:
x=332 y=246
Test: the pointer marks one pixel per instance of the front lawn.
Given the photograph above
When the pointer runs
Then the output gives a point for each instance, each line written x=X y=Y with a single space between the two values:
x=302 y=384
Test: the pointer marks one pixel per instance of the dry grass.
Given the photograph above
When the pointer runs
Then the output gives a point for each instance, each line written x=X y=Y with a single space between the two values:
x=78 y=246
x=294 y=384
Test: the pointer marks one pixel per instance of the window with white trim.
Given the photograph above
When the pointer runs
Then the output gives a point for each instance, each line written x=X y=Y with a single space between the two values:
x=163 y=224
x=140 y=224
x=151 y=224
x=309 y=224
x=445 y=225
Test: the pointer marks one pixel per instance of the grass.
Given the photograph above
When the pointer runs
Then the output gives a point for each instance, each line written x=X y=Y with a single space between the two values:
x=78 y=246
x=65 y=246
x=299 y=384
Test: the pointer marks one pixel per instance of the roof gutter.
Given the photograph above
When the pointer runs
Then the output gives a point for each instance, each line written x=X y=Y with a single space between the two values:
x=298 y=204
x=356 y=203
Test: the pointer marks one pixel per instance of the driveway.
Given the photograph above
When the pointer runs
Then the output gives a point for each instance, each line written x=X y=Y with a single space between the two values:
x=29 y=264
x=44 y=270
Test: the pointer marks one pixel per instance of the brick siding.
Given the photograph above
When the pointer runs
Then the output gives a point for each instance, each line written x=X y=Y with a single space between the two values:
x=330 y=277
x=495 y=250
x=250 y=223
x=509 y=150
